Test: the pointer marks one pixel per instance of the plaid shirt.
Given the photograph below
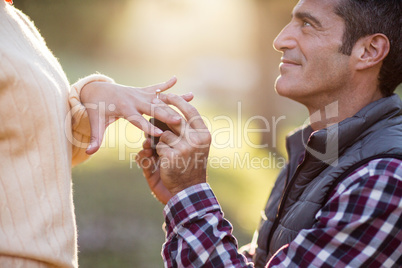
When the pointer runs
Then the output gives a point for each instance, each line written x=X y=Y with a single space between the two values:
x=360 y=226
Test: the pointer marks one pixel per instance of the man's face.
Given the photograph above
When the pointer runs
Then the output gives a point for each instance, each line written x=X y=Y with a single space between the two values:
x=313 y=71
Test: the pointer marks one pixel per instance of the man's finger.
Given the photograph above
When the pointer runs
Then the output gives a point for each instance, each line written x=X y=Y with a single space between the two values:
x=147 y=162
x=164 y=150
x=191 y=114
x=147 y=143
x=169 y=139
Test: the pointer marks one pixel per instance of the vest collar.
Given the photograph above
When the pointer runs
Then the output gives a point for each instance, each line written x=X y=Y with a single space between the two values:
x=327 y=144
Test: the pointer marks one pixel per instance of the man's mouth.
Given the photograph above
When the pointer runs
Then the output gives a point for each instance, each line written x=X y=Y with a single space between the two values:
x=287 y=62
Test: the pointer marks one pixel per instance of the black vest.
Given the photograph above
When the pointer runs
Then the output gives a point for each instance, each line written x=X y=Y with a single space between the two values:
x=302 y=188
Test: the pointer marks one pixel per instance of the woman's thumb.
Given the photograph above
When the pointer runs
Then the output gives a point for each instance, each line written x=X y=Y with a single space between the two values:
x=97 y=131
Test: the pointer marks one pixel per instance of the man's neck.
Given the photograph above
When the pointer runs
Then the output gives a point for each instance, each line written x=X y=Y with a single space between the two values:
x=335 y=111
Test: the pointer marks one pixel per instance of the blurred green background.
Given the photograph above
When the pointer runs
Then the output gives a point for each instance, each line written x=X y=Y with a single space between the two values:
x=221 y=50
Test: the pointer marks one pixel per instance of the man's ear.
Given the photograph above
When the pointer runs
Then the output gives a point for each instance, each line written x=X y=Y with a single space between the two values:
x=371 y=50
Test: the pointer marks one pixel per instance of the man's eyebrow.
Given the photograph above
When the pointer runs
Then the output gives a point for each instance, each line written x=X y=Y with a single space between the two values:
x=305 y=15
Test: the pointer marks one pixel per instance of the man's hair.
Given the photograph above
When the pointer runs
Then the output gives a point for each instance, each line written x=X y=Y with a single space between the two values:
x=366 y=17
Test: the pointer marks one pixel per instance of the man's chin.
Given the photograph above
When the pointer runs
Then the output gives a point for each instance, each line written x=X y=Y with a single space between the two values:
x=289 y=91
x=282 y=88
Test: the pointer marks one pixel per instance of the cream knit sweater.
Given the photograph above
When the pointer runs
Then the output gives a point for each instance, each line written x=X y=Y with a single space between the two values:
x=40 y=114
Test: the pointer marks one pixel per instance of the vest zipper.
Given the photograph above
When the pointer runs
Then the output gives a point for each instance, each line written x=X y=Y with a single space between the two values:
x=282 y=202
x=285 y=194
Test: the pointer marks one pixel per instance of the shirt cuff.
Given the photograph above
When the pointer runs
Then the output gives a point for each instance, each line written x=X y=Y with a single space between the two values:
x=191 y=203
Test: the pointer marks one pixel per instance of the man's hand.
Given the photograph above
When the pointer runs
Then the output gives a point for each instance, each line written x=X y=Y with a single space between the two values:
x=150 y=167
x=183 y=152
x=106 y=102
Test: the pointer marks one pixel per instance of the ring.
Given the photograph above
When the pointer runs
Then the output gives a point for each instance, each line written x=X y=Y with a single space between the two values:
x=158 y=92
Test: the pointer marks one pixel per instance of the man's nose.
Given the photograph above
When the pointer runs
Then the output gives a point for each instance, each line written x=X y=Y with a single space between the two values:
x=286 y=39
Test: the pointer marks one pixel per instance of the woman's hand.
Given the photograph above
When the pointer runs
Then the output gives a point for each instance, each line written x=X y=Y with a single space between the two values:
x=106 y=102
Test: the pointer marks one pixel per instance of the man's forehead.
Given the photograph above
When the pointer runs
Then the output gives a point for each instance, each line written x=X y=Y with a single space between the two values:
x=322 y=10
x=317 y=5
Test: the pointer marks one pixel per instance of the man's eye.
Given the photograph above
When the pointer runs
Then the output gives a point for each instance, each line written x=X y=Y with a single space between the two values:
x=306 y=23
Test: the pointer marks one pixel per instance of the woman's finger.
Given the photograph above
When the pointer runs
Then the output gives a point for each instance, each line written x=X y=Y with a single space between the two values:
x=188 y=96
x=167 y=115
x=161 y=111
x=143 y=124
x=98 y=127
x=162 y=86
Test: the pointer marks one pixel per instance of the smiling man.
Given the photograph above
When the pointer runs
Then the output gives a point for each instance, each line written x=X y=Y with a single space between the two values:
x=338 y=202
